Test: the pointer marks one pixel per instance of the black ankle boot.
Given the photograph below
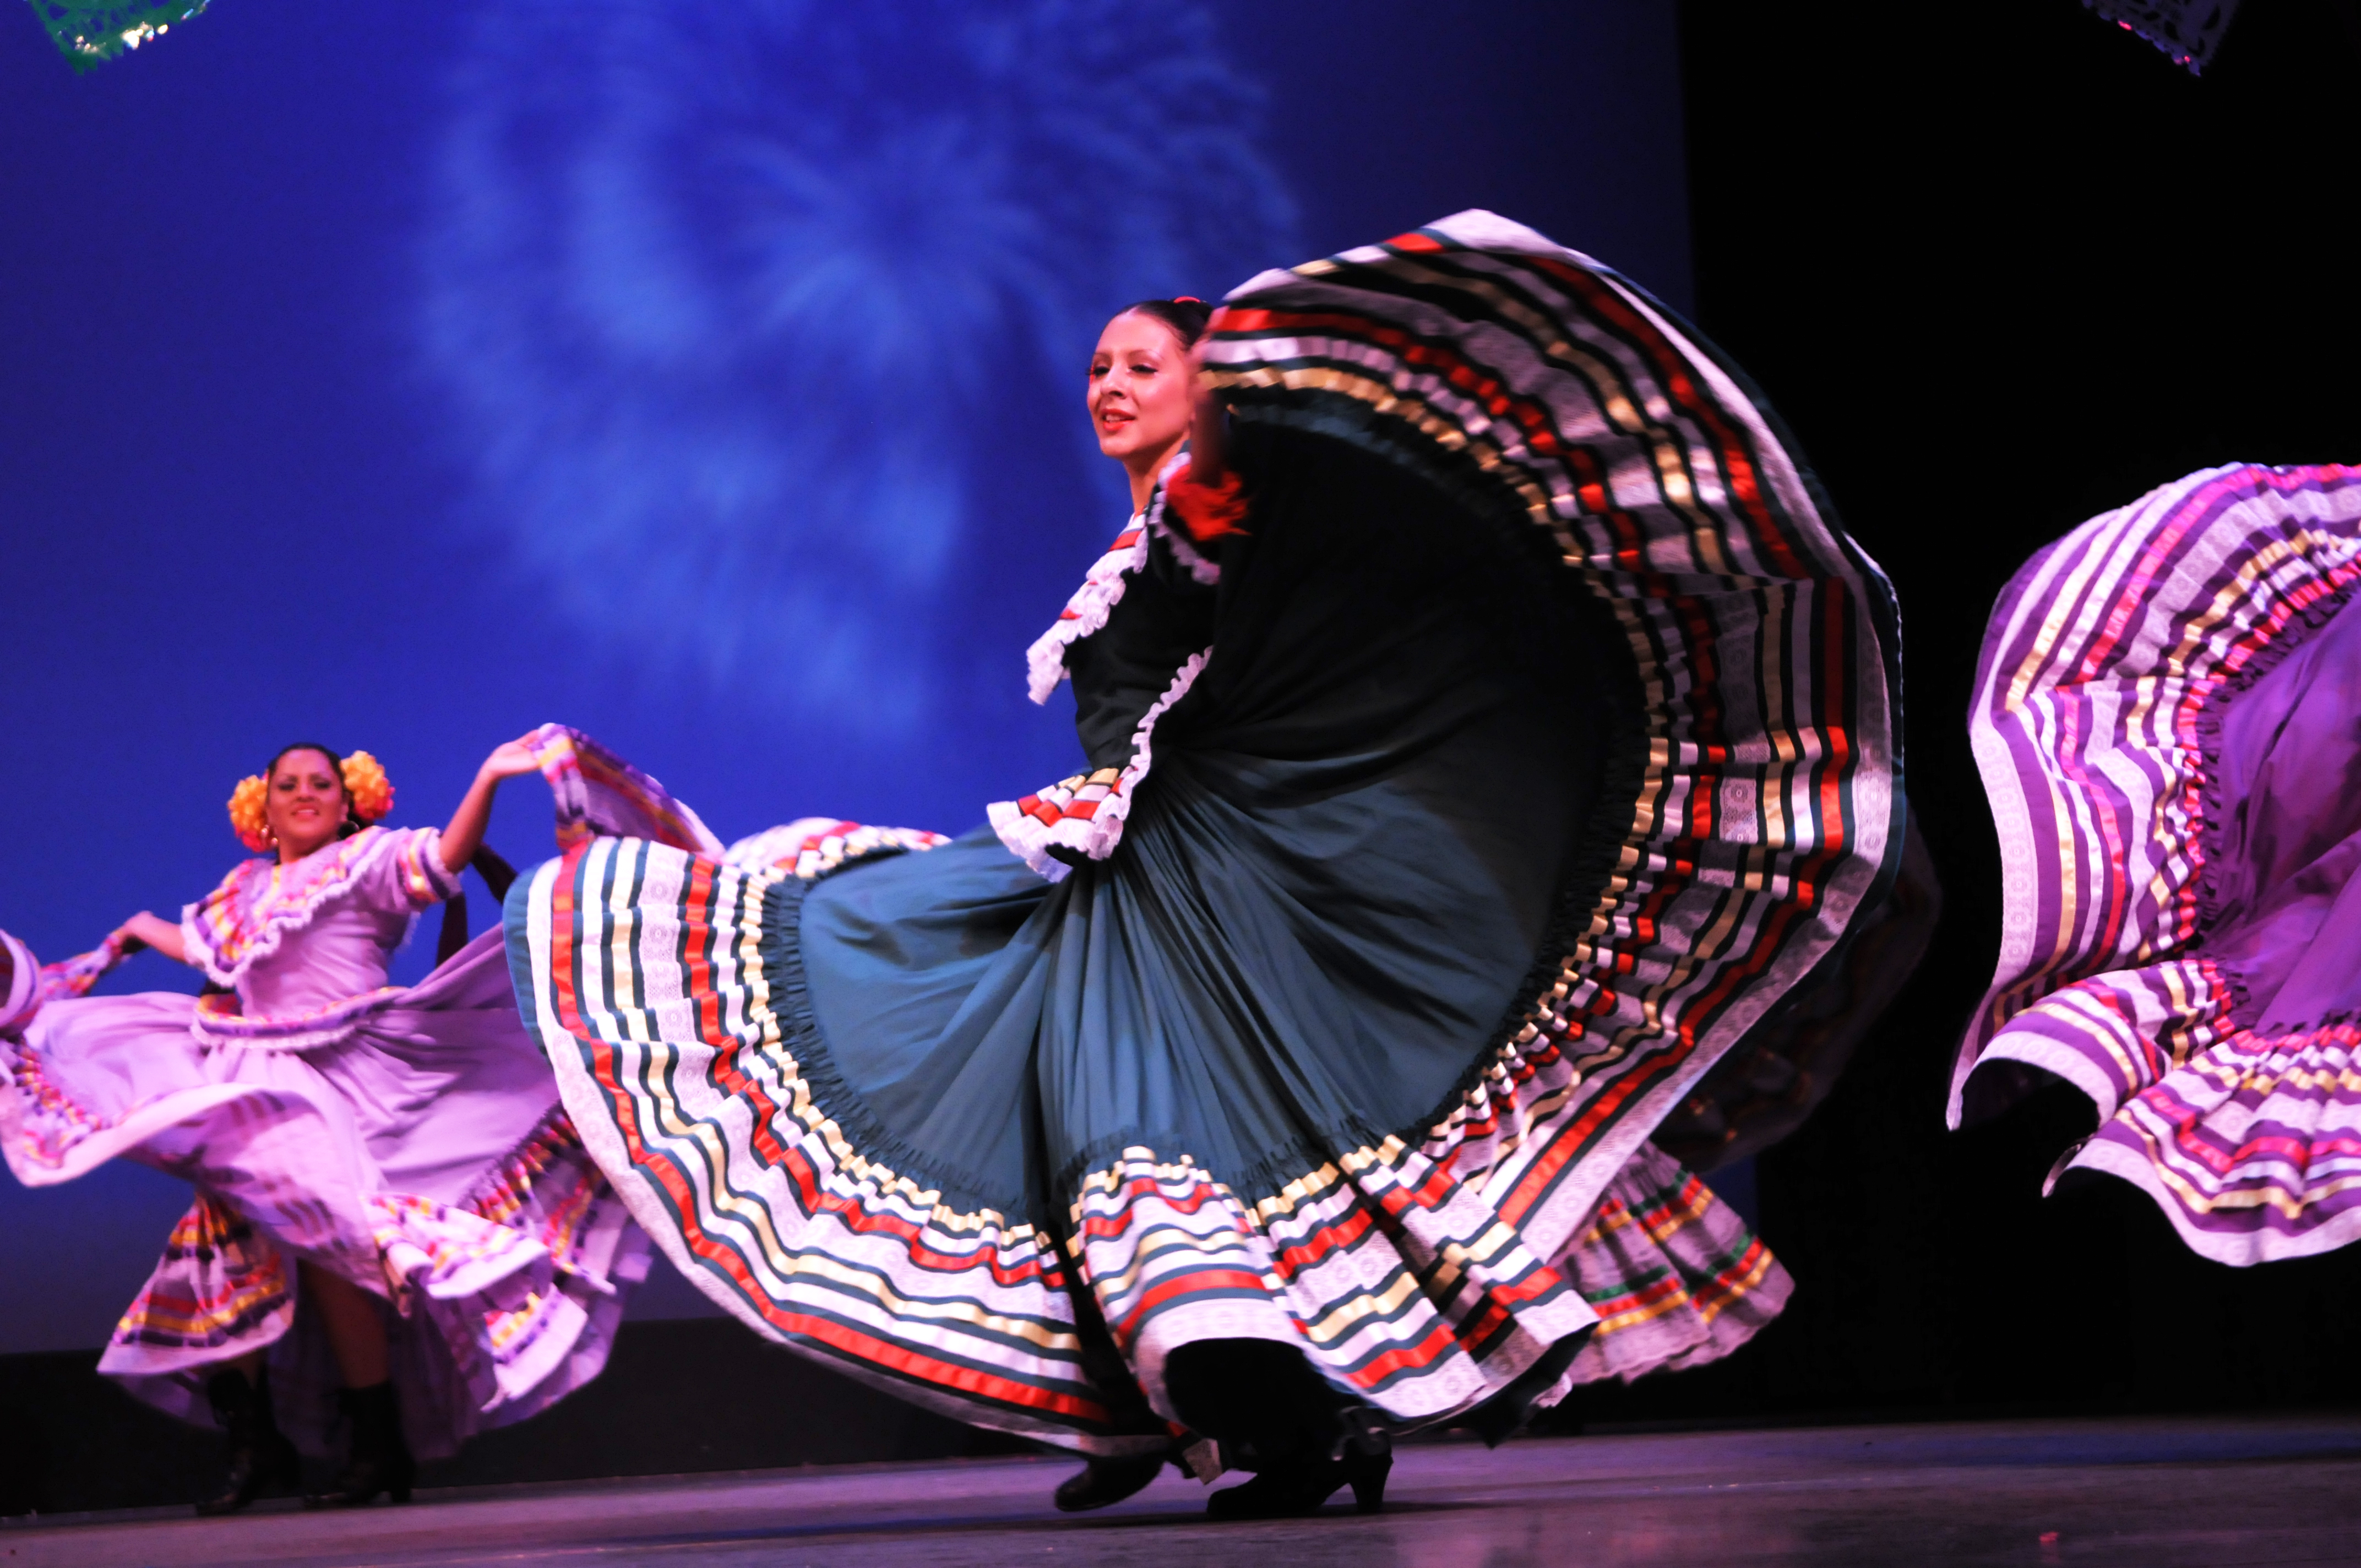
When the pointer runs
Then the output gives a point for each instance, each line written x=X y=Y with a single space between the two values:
x=380 y=1461
x=1301 y=1487
x=1274 y=1414
x=260 y=1458
x=1101 y=1483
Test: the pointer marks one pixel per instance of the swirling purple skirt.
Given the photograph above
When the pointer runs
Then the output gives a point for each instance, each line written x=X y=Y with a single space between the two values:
x=2168 y=724
x=413 y=1143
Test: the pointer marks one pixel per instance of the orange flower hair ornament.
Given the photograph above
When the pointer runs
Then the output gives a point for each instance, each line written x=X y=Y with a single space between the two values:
x=246 y=813
x=366 y=785
x=365 y=782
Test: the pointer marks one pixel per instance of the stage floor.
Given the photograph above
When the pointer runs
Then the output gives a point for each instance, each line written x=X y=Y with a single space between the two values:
x=2155 y=1493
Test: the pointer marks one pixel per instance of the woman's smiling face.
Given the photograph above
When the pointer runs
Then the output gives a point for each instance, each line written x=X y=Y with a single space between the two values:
x=1141 y=395
x=306 y=805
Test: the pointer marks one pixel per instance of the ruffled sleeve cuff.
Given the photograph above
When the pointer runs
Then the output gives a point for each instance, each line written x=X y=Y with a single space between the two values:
x=418 y=868
x=1074 y=820
x=1081 y=818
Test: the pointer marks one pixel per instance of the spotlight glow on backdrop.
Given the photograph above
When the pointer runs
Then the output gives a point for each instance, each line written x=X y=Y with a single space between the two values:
x=709 y=376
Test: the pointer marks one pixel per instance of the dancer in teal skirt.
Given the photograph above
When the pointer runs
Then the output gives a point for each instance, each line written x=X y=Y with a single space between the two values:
x=1484 y=724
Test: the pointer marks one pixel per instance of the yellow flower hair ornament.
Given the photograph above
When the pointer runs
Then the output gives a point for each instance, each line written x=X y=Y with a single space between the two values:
x=365 y=782
x=246 y=813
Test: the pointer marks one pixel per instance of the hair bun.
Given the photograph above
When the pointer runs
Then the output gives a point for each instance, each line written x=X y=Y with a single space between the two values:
x=1186 y=316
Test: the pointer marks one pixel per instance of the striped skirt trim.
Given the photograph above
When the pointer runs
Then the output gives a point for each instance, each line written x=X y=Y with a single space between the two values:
x=1676 y=1277
x=218 y=1285
x=2093 y=728
x=642 y=968
x=675 y=1014
x=1564 y=400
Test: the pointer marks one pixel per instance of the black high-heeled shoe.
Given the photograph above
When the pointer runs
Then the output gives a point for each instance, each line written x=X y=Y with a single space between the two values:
x=1300 y=1488
x=261 y=1457
x=379 y=1462
x=1101 y=1482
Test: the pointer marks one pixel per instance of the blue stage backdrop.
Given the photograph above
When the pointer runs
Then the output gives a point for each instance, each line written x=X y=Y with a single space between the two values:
x=708 y=376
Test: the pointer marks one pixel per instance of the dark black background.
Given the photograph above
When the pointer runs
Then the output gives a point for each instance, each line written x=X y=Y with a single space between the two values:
x=2003 y=267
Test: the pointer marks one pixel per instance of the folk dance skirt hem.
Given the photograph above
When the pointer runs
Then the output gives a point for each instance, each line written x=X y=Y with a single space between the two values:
x=417 y=1150
x=2165 y=724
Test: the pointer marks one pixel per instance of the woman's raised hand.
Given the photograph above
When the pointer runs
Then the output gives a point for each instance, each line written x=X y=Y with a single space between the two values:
x=465 y=835
x=510 y=760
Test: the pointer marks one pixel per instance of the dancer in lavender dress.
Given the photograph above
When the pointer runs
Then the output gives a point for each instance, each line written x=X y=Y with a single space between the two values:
x=2169 y=723
x=391 y=1203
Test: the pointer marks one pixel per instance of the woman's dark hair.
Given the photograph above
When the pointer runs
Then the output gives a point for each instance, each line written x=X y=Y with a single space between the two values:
x=1187 y=318
x=351 y=824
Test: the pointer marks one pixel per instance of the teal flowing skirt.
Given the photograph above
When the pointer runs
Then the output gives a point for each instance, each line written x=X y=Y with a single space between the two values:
x=1545 y=740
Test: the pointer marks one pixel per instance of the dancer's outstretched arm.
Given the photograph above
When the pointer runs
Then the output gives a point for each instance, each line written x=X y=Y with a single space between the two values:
x=144 y=929
x=465 y=835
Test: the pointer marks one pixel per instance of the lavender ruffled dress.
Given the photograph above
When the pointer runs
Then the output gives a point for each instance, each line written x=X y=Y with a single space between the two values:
x=408 y=1138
